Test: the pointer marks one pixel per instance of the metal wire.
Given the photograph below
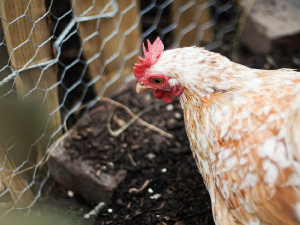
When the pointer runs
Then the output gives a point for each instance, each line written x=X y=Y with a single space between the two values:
x=75 y=63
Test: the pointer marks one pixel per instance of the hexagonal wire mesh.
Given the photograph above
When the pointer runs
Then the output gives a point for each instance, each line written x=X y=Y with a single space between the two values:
x=58 y=55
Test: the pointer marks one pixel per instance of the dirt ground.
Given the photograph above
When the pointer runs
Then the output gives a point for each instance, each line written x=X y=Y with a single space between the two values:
x=175 y=191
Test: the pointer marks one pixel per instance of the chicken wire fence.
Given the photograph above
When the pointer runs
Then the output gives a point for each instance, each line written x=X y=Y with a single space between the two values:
x=58 y=55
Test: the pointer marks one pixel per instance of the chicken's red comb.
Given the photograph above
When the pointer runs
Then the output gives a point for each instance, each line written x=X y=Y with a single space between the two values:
x=151 y=56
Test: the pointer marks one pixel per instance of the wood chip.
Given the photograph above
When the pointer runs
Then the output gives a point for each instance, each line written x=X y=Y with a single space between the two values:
x=135 y=191
x=76 y=137
x=131 y=159
x=89 y=130
x=118 y=121
x=124 y=145
x=84 y=133
x=134 y=147
x=127 y=216
x=67 y=145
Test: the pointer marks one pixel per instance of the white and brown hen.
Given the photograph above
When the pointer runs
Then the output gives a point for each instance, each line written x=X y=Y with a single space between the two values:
x=244 y=130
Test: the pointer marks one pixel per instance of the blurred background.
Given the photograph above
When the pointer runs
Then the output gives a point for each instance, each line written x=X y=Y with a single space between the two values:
x=60 y=57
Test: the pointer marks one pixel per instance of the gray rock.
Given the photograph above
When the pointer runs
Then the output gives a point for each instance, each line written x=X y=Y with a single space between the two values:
x=76 y=175
x=270 y=20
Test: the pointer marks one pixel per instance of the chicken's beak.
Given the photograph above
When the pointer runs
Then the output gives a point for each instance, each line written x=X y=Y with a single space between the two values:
x=141 y=88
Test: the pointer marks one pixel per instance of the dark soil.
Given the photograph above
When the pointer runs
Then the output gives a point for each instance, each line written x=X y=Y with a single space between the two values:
x=175 y=192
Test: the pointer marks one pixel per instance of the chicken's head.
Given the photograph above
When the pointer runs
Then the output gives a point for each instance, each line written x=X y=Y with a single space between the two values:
x=165 y=87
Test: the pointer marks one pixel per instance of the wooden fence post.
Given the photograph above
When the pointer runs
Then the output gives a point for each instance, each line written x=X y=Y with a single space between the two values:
x=96 y=30
x=17 y=184
x=192 y=13
x=28 y=37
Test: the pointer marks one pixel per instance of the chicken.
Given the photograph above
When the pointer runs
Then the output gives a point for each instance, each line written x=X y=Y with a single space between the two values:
x=243 y=126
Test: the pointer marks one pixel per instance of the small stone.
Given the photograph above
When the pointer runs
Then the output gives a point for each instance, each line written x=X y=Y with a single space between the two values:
x=177 y=115
x=86 y=216
x=110 y=165
x=169 y=107
x=70 y=194
x=164 y=170
x=171 y=121
x=109 y=210
x=147 y=97
x=150 y=190
x=150 y=156
x=156 y=196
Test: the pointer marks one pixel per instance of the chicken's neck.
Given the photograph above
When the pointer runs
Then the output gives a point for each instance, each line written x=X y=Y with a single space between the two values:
x=199 y=129
x=205 y=109
x=205 y=112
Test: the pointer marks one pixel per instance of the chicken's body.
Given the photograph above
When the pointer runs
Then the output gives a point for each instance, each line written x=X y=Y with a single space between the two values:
x=241 y=130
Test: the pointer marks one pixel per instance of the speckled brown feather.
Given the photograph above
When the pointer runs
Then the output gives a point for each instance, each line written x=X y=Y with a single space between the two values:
x=244 y=130
x=262 y=202
x=262 y=199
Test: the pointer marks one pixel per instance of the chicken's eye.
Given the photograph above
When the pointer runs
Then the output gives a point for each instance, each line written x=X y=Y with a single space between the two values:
x=157 y=80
